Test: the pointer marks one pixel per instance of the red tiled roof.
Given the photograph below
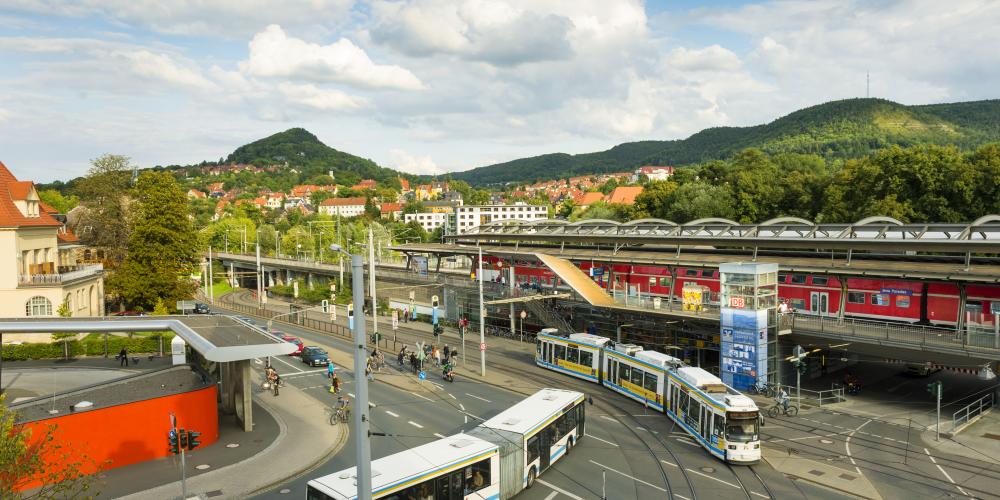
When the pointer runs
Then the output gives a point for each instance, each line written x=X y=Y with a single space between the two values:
x=624 y=195
x=10 y=216
x=67 y=236
x=391 y=207
x=339 y=202
x=588 y=199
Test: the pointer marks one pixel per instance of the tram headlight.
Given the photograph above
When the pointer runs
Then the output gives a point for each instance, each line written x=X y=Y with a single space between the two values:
x=732 y=447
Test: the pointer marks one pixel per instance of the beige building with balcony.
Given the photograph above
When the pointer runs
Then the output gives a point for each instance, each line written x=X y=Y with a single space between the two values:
x=38 y=258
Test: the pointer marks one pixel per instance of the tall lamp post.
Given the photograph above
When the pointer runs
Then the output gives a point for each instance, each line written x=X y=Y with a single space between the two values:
x=482 y=319
x=362 y=440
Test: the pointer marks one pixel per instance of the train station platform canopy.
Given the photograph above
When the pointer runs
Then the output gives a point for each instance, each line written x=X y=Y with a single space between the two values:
x=576 y=279
x=218 y=338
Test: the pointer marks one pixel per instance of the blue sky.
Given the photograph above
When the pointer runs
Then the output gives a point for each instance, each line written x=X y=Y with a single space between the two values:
x=430 y=86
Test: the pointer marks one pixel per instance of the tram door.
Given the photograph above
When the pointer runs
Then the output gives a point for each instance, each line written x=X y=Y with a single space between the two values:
x=819 y=303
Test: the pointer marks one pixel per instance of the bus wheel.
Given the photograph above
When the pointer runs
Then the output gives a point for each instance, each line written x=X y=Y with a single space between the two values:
x=531 y=477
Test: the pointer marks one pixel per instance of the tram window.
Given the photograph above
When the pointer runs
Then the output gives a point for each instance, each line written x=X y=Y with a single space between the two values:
x=560 y=351
x=820 y=280
x=624 y=371
x=691 y=272
x=693 y=414
x=613 y=371
x=573 y=354
x=649 y=382
x=880 y=299
x=856 y=297
x=720 y=425
x=586 y=358
x=538 y=347
x=533 y=448
x=798 y=279
x=902 y=301
x=636 y=378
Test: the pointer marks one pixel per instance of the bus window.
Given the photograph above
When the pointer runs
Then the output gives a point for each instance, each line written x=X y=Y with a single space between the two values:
x=573 y=354
x=477 y=476
x=314 y=494
x=533 y=448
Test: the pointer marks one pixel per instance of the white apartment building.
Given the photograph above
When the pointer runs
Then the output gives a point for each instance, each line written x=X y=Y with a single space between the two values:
x=470 y=217
x=344 y=207
x=428 y=220
x=38 y=267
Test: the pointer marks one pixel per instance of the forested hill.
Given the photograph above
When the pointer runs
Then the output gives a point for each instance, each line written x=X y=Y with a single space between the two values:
x=835 y=130
x=305 y=152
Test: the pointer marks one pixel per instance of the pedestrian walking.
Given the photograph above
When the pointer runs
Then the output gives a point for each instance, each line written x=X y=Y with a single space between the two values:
x=330 y=369
x=334 y=384
x=369 y=369
x=123 y=357
x=437 y=356
x=273 y=379
x=400 y=356
x=447 y=352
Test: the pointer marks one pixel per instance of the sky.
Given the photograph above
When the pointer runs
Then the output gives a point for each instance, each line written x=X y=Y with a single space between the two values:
x=432 y=86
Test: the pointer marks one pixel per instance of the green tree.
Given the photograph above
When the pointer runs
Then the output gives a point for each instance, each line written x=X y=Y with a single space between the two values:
x=105 y=192
x=655 y=199
x=371 y=209
x=413 y=207
x=698 y=200
x=24 y=460
x=56 y=200
x=161 y=309
x=161 y=248
x=566 y=208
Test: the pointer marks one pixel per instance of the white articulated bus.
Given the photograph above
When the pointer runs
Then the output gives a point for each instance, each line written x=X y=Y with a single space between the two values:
x=534 y=434
x=459 y=467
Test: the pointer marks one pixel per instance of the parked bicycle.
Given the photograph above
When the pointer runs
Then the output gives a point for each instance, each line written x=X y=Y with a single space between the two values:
x=762 y=389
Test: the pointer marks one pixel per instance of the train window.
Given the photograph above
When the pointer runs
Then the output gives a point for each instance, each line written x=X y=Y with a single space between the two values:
x=820 y=280
x=664 y=281
x=652 y=281
x=782 y=277
x=880 y=299
x=649 y=382
x=586 y=358
x=902 y=301
x=799 y=304
x=560 y=351
x=798 y=279
x=624 y=371
x=856 y=297
x=691 y=272
x=636 y=377
x=573 y=354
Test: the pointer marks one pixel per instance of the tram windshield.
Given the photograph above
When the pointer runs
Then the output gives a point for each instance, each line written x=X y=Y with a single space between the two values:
x=741 y=430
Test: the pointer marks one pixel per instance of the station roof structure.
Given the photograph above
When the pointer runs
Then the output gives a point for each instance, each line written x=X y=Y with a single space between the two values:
x=218 y=338
x=878 y=233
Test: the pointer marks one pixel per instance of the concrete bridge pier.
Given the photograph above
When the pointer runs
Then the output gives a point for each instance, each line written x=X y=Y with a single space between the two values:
x=236 y=391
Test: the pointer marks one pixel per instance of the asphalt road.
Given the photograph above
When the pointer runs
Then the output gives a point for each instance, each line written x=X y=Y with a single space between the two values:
x=628 y=452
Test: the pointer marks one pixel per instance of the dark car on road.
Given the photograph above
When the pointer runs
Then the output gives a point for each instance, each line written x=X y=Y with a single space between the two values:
x=201 y=308
x=313 y=356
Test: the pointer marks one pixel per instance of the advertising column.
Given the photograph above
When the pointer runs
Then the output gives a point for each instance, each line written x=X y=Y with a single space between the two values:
x=747 y=292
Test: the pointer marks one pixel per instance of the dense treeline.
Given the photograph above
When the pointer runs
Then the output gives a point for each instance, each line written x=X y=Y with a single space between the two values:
x=838 y=130
x=925 y=183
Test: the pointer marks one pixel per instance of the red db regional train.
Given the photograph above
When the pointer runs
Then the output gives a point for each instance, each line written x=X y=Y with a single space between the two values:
x=905 y=300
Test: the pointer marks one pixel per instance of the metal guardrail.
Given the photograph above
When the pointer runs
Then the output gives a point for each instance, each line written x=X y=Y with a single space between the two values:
x=972 y=410
x=76 y=273
x=818 y=398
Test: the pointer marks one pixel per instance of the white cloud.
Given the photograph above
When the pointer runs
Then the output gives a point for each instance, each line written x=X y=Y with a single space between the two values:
x=162 y=68
x=4 y=115
x=320 y=99
x=274 y=54
x=711 y=58
x=215 y=18
x=406 y=162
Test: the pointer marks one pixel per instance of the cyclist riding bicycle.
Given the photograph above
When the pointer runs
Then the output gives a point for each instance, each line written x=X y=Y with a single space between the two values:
x=782 y=398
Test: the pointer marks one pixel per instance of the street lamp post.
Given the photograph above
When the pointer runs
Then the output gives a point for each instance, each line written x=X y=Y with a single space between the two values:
x=482 y=319
x=524 y=314
x=361 y=415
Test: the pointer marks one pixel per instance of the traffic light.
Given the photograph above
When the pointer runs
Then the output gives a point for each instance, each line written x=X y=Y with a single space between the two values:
x=803 y=368
x=326 y=305
x=434 y=301
x=182 y=438
x=192 y=440
x=438 y=330
x=934 y=388
x=350 y=310
x=173 y=443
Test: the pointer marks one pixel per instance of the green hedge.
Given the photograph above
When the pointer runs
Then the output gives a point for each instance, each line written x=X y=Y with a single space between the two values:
x=92 y=345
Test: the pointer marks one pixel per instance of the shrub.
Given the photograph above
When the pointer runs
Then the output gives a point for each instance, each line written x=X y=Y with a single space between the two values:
x=92 y=345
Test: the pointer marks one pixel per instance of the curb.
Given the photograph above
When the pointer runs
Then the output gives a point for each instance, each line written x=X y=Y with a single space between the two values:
x=799 y=477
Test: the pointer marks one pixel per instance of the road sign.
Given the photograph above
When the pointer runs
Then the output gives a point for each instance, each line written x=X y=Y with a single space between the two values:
x=185 y=305
x=524 y=314
x=422 y=375
x=482 y=346
x=395 y=319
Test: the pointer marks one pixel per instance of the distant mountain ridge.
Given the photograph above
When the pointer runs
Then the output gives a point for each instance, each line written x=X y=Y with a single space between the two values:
x=843 y=129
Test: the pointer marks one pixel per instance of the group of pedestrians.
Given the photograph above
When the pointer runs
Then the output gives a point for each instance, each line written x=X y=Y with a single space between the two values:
x=418 y=358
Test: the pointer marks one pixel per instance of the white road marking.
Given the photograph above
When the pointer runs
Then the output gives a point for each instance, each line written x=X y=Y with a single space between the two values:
x=442 y=436
x=552 y=495
x=422 y=397
x=628 y=476
x=760 y=494
x=712 y=478
x=605 y=417
x=418 y=426
x=669 y=463
x=460 y=405
x=306 y=372
x=477 y=397
x=558 y=489
x=591 y=436
x=276 y=358
x=393 y=414
x=847 y=445
x=452 y=396
x=466 y=419
x=687 y=442
x=946 y=475
x=641 y=428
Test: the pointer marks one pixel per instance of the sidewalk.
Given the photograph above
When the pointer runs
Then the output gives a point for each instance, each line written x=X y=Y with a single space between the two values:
x=305 y=440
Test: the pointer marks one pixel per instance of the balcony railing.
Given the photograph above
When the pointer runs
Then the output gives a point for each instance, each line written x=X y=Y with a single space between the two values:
x=66 y=274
